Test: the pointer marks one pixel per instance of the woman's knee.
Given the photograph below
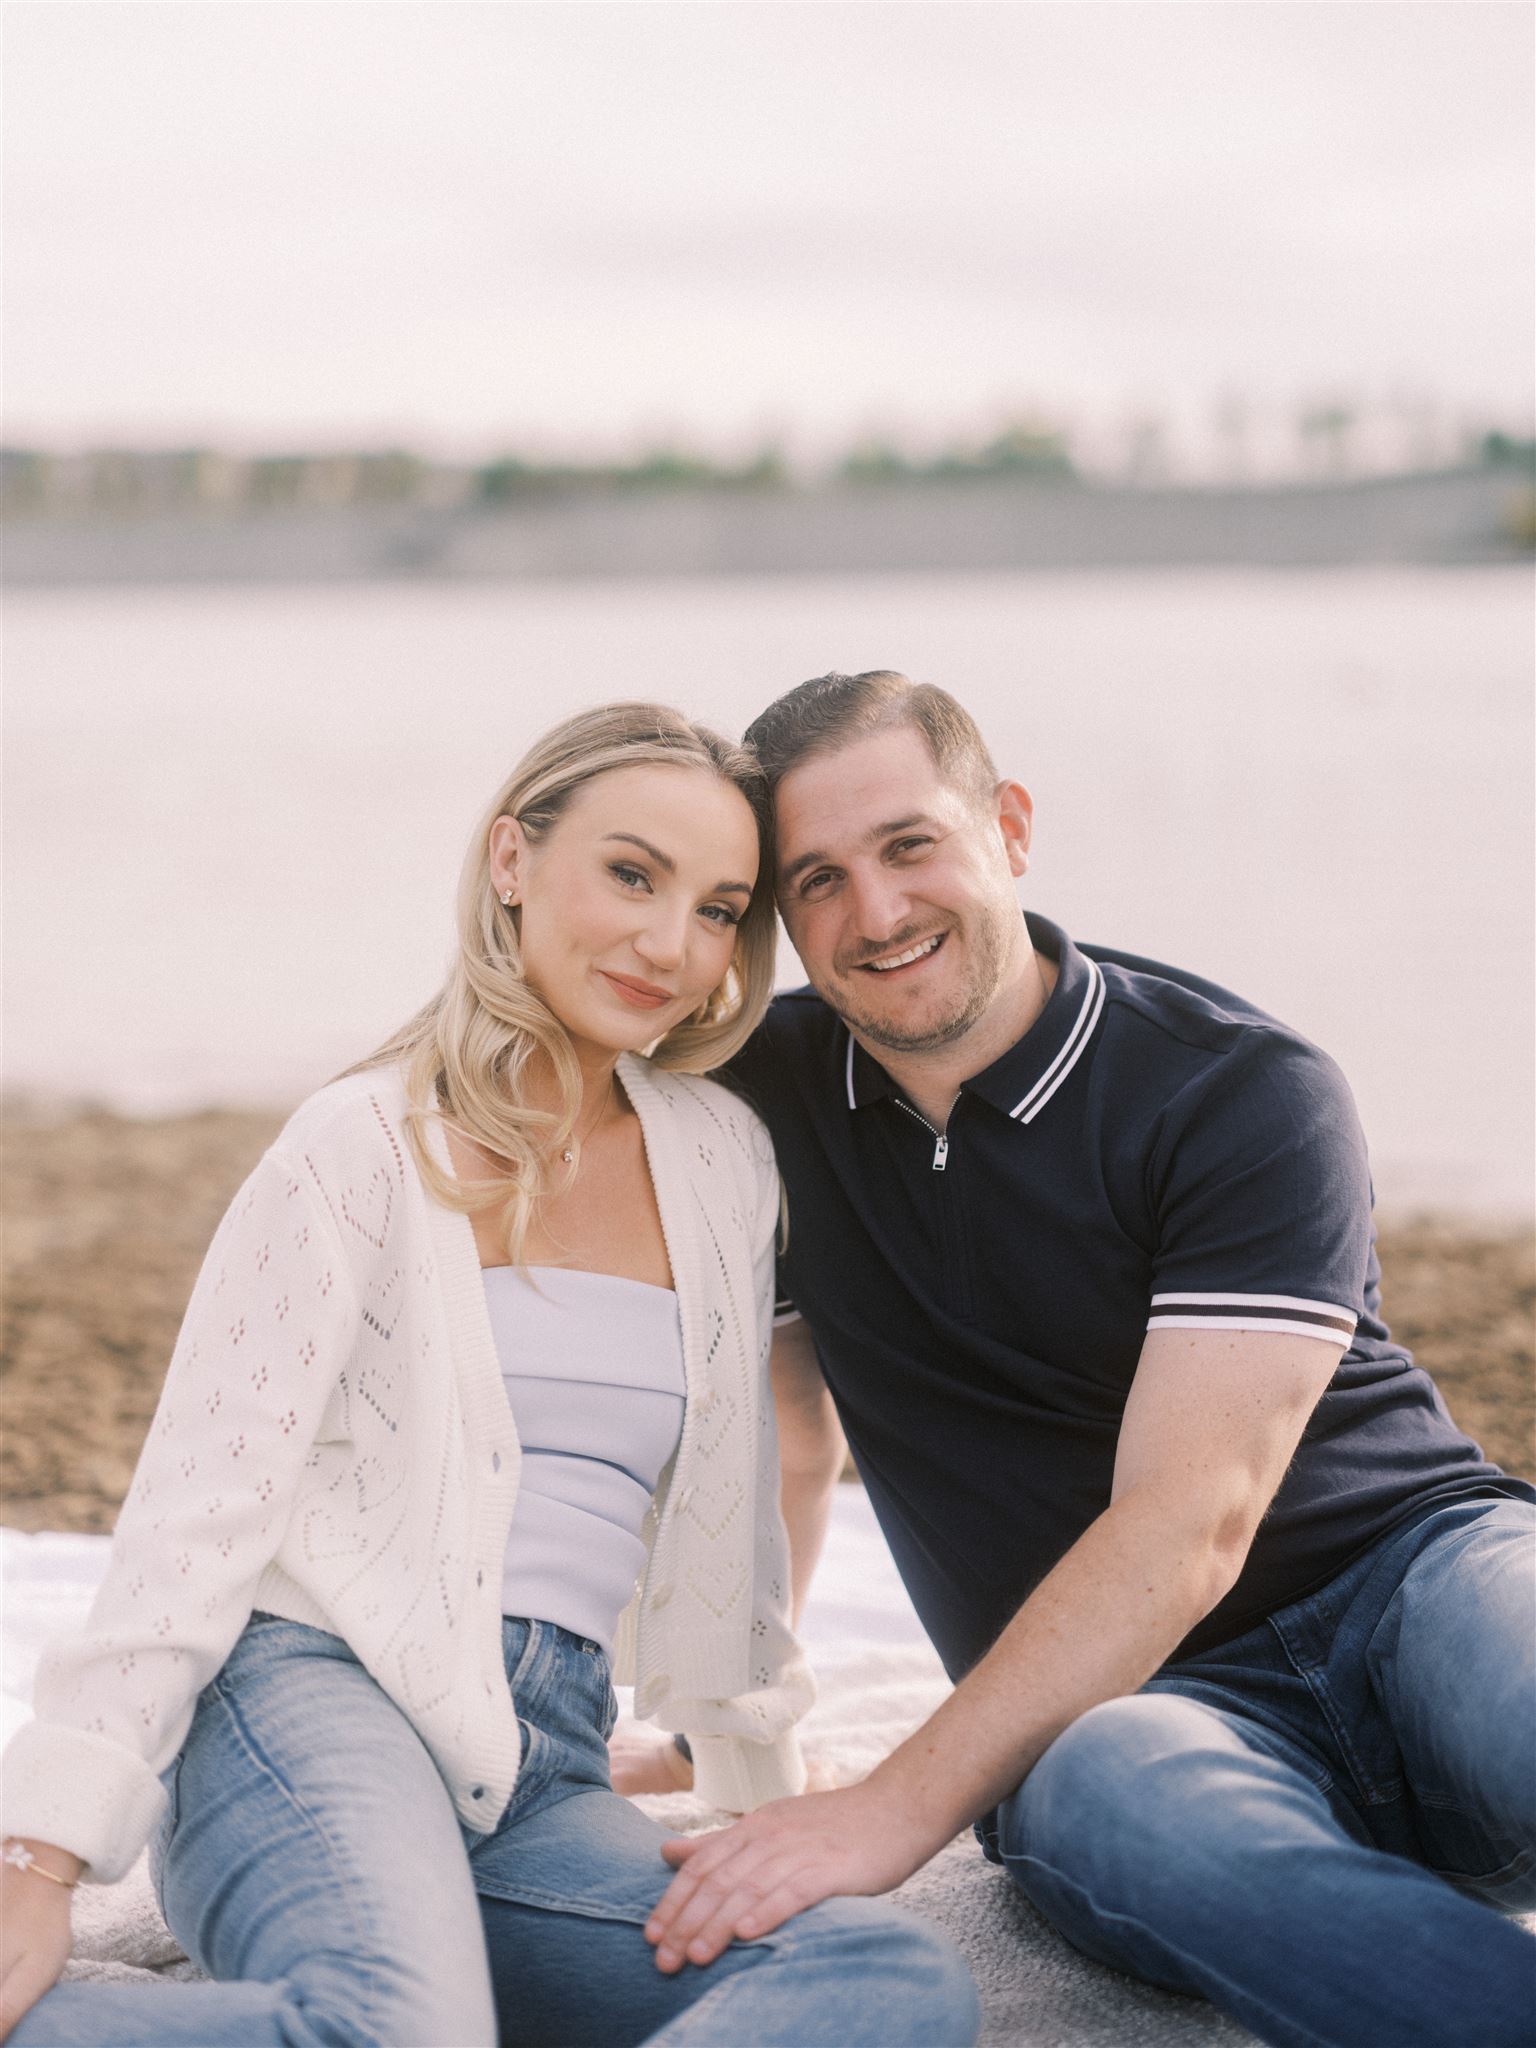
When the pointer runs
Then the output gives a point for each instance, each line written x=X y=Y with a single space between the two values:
x=928 y=1984
x=358 y=2002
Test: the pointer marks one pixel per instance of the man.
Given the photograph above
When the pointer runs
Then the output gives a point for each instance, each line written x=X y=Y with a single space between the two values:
x=1240 y=1623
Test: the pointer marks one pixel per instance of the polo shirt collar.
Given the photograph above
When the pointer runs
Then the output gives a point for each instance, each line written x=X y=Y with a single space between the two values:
x=1024 y=1079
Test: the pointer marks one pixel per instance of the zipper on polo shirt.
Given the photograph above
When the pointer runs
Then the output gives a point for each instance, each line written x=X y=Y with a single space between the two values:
x=940 y=1141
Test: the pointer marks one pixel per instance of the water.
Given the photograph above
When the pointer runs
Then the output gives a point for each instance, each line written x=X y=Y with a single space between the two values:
x=235 y=817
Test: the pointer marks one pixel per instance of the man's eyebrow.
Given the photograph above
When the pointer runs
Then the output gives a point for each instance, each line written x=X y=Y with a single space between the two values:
x=666 y=862
x=871 y=838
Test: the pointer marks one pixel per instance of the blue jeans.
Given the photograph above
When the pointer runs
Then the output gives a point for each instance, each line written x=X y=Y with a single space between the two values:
x=312 y=1863
x=1310 y=1824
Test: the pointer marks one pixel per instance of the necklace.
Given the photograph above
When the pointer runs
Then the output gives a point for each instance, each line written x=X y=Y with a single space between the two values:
x=569 y=1152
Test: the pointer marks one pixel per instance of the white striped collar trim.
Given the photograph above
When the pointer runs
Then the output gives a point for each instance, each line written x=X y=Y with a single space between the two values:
x=1071 y=1052
x=852 y=1103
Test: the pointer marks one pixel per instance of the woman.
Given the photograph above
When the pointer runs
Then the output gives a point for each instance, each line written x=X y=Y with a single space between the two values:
x=356 y=1621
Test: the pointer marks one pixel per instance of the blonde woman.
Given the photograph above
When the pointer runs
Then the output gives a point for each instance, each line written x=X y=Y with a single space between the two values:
x=479 y=1348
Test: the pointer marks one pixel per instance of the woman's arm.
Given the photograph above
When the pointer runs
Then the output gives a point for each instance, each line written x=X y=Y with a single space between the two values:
x=266 y=1333
x=34 y=1927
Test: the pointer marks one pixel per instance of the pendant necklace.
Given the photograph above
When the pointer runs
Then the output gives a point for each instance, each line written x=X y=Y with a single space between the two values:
x=568 y=1153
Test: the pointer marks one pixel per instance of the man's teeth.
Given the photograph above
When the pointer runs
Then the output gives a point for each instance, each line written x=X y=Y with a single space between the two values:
x=906 y=959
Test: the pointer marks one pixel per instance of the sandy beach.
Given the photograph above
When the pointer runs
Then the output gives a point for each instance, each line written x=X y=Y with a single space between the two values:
x=106 y=1220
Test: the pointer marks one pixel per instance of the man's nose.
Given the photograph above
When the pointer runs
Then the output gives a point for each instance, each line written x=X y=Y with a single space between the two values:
x=880 y=903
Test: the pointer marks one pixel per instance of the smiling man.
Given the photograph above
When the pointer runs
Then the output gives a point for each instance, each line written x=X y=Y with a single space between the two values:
x=1240 y=1623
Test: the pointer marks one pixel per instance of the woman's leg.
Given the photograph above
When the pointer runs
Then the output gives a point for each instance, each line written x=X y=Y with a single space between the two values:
x=569 y=1879
x=312 y=1864
x=565 y=1895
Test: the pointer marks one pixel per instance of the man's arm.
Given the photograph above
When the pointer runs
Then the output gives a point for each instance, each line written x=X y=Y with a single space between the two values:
x=811 y=1452
x=1210 y=1425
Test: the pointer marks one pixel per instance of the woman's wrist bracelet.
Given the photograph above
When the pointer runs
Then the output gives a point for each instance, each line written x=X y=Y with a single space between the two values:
x=20 y=1857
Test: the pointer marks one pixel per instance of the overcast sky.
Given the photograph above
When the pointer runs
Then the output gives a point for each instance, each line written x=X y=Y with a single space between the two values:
x=581 y=226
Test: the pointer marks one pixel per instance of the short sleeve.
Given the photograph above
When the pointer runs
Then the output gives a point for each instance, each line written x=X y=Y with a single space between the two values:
x=1260 y=1190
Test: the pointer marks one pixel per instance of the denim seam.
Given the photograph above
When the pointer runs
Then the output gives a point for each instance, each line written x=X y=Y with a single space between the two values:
x=530 y=1652
x=592 y=1909
x=258 y=1756
x=1315 y=1680
x=1299 y=2034
x=1460 y=1880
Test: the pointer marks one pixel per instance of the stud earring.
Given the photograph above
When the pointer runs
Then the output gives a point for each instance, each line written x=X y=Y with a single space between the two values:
x=506 y=899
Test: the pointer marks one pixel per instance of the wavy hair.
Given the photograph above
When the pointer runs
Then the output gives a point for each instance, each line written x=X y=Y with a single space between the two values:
x=465 y=1055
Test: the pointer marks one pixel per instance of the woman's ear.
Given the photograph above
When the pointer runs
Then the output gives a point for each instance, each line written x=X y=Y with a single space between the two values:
x=508 y=847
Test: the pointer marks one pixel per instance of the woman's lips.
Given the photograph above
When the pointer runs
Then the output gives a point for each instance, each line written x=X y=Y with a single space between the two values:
x=641 y=995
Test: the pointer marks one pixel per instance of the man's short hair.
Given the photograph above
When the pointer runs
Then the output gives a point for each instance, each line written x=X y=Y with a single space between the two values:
x=833 y=711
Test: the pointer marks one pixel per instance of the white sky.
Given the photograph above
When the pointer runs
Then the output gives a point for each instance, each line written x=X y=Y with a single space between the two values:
x=579 y=226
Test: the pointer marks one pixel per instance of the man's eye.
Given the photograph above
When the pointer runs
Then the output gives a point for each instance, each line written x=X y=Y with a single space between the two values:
x=814 y=882
x=911 y=845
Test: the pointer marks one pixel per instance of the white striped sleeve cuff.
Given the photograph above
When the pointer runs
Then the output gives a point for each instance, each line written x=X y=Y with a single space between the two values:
x=1290 y=1314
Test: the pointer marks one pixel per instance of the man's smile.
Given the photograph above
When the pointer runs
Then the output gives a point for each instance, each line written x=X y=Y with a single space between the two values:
x=891 y=963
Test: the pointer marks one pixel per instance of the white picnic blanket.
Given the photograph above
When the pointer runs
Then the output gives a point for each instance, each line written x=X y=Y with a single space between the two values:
x=878 y=1679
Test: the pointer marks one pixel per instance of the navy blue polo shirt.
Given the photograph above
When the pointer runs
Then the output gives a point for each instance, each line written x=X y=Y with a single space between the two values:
x=1154 y=1152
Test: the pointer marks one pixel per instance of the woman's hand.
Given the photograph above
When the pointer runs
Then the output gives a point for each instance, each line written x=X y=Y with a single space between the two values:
x=641 y=1761
x=34 y=1932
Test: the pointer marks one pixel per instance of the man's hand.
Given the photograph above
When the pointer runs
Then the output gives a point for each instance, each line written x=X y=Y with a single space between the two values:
x=747 y=1879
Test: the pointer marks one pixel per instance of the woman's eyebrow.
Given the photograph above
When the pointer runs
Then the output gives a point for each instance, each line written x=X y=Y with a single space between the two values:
x=666 y=862
x=662 y=860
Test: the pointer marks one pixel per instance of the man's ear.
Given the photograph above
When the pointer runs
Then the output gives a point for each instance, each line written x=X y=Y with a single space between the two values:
x=1015 y=821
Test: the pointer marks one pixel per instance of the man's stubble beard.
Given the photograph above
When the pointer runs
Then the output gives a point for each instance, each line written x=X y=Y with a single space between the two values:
x=986 y=934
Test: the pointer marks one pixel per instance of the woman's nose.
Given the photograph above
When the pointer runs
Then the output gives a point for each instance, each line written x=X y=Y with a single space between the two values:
x=663 y=938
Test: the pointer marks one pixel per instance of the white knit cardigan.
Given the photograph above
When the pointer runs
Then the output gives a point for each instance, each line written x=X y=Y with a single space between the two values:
x=334 y=1444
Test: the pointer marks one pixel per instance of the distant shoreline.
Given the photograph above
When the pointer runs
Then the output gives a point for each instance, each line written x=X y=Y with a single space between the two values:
x=1463 y=517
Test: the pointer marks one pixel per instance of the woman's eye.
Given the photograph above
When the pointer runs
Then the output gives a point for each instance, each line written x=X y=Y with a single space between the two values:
x=631 y=877
x=722 y=914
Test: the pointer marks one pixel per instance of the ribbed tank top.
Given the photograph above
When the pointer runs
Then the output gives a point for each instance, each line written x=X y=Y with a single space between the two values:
x=593 y=1367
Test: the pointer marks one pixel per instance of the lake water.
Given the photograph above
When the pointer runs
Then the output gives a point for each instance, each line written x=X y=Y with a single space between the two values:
x=234 y=817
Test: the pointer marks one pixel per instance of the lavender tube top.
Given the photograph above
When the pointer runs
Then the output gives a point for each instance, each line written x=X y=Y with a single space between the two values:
x=593 y=1368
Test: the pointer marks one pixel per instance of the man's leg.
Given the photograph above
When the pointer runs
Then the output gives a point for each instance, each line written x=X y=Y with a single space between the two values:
x=1453 y=1663
x=565 y=1895
x=1176 y=1841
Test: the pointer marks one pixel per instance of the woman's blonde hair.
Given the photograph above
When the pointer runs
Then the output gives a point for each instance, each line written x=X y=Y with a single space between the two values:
x=466 y=1053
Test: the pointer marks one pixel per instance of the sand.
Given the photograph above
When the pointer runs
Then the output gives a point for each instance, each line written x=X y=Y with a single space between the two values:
x=106 y=1220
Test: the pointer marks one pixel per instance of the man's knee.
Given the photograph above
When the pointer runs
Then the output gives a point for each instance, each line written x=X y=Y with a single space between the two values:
x=1107 y=1771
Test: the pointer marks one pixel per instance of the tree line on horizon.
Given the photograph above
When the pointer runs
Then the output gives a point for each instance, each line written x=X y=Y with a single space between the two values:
x=137 y=480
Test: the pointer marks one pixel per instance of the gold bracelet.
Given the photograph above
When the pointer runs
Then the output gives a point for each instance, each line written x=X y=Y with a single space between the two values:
x=20 y=1857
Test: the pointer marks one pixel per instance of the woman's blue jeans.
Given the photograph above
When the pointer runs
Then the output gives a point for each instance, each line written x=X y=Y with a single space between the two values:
x=1310 y=1825
x=311 y=1862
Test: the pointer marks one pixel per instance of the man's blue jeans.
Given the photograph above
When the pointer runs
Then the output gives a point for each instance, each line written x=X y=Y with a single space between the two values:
x=312 y=1863
x=1310 y=1825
